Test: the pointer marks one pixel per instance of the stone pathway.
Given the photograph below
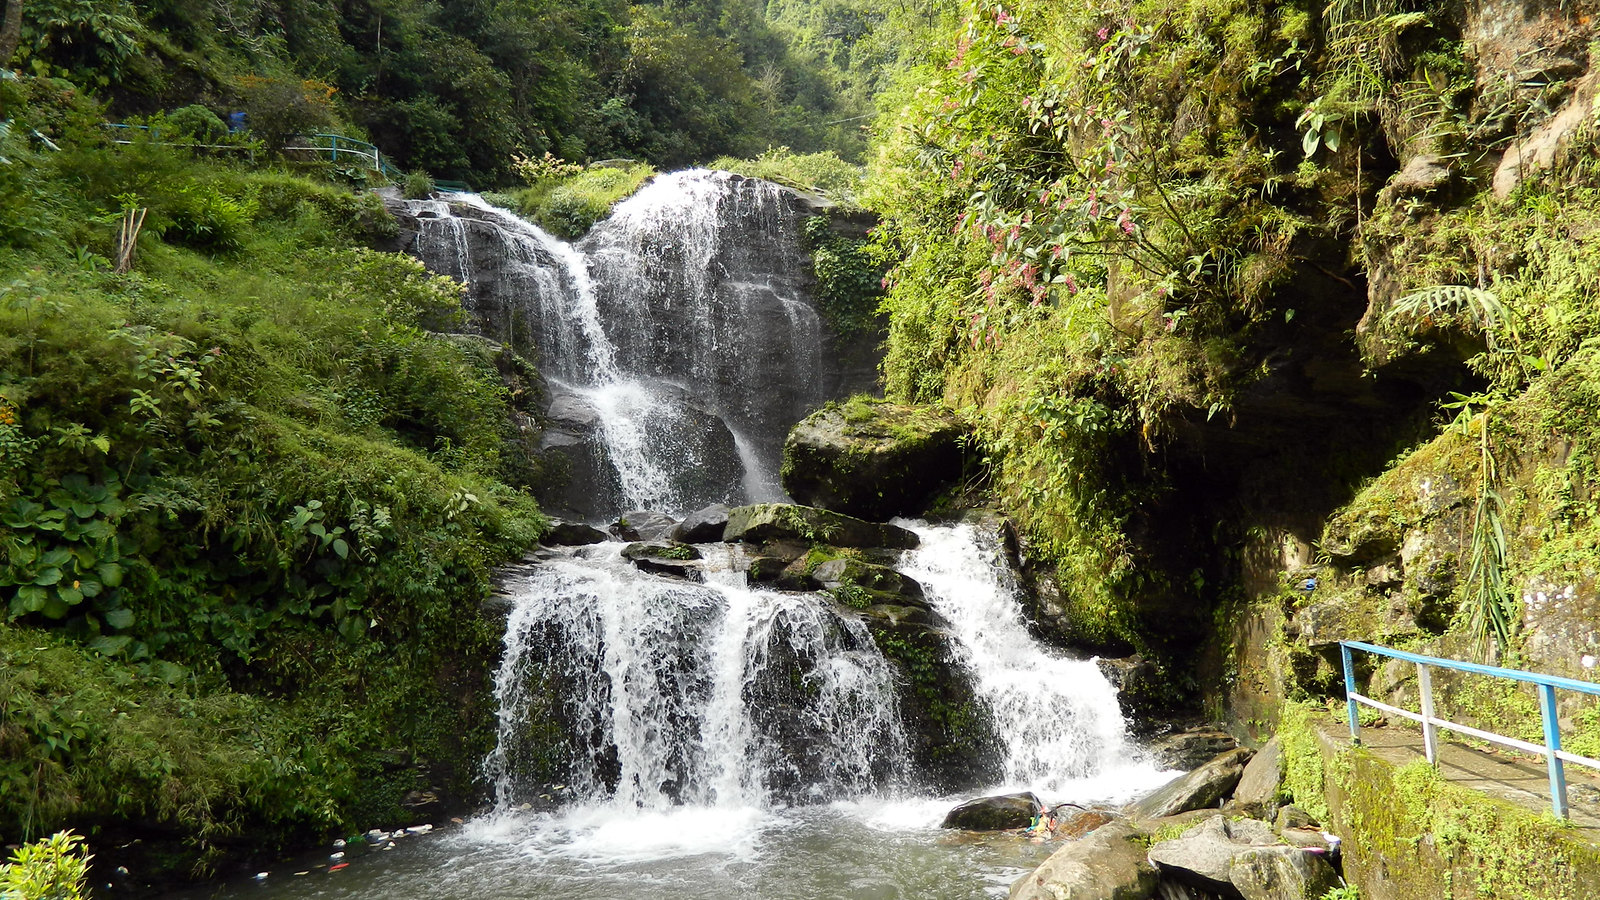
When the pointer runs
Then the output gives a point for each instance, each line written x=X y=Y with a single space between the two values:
x=1506 y=775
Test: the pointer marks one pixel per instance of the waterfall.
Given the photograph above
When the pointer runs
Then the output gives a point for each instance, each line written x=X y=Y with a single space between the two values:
x=698 y=694
x=659 y=333
x=1056 y=717
x=679 y=339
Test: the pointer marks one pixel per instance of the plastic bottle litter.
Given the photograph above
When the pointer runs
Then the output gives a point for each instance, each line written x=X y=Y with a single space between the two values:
x=261 y=876
x=336 y=856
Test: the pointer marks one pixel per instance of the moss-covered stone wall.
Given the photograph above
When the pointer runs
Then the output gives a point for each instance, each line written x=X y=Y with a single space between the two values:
x=1410 y=834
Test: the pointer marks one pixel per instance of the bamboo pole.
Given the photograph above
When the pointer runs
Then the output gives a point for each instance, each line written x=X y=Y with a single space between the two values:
x=127 y=238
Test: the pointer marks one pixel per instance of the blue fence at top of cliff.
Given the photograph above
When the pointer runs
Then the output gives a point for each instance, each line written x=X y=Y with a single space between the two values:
x=335 y=148
x=339 y=148
x=1555 y=757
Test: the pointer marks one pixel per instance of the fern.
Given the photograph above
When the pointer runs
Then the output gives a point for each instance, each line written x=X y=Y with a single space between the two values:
x=1480 y=306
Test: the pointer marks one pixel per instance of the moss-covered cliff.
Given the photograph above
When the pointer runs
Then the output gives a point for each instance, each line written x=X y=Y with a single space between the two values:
x=1241 y=294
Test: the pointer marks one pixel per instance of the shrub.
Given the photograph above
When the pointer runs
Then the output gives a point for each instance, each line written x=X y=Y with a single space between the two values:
x=204 y=218
x=194 y=123
x=569 y=206
x=418 y=186
x=54 y=868
x=278 y=109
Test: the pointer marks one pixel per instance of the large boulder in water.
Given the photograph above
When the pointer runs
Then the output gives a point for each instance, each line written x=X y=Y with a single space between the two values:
x=570 y=534
x=1200 y=788
x=871 y=458
x=1109 y=864
x=644 y=525
x=999 y=813
x=777 y=521
x=702 y=526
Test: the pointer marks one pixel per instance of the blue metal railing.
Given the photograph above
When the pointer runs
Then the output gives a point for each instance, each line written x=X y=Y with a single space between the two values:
x=1555 y=757
x=336 y=145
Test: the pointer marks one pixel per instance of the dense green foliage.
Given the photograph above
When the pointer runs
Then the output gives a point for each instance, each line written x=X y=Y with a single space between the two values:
x=456 y=87
x=1112 y=221
x=247 y=496
x=1075 y=274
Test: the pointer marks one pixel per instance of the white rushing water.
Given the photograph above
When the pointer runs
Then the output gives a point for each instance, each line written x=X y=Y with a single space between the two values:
x=1056 y=716
x=710 y=694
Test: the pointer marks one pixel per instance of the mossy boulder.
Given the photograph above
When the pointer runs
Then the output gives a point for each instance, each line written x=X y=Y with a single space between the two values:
x=765 y=522
x=873 y=459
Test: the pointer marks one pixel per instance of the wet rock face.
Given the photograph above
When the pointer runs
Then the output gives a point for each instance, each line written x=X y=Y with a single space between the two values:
x=686 y=316
x=872 y=459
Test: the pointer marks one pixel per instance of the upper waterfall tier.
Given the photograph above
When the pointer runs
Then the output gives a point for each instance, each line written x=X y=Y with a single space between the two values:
x=680 y=337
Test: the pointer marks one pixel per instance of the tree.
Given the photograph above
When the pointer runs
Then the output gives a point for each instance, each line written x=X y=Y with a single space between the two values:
x=10 y=32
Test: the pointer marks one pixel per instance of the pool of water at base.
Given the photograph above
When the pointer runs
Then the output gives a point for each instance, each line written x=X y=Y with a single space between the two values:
x=872 y=849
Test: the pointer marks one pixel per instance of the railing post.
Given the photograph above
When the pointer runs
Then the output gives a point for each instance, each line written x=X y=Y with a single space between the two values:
x=335 y=139
x=1430 y=733
x=1349 y=692
x=1552 y=743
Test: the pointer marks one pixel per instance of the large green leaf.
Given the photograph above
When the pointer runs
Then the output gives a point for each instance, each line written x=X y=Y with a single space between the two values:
x=32 y=597
x=22 y=514
x=119 y=618
x=48 y=576
x=110 y=644
x=110 y=574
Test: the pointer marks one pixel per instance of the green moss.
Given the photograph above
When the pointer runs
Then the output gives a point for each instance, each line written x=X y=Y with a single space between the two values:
x=1304 y=771
x=1423 y=835
x=1436 y=837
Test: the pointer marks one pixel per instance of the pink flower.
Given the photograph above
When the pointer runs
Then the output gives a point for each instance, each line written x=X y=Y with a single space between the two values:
x=1103 y=33
x=1018 y=50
